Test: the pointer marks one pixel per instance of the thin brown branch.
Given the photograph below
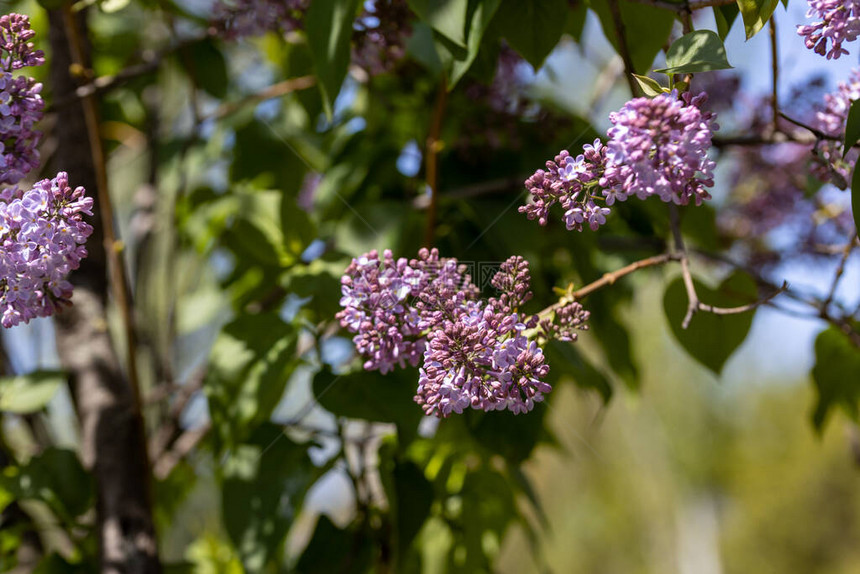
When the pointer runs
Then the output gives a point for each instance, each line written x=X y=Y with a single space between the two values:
x=112 y=245
x=840 y=269
x=97 y=86
x=180 y=449
x=269 y=93
x=611 y=278
x=741 y=308
x=816 y=132
x=431 y=152
x=692 y=297
x=168 y=431
x=623 y=48
x=841 y=323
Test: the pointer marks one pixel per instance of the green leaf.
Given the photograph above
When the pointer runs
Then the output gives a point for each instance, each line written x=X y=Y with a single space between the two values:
x=649 y=86
x=263 y=484
x=56 y=564
x=576 y=16
x=711 y=339
x=755 y=14
x=422 y=47
x=332 y=549
x=514 y=437
x=29 y=393
x=855 y=199
x=836 y=375
x=251 y=361
x=725 y=16
x=329 y=30
x=448 y=17
x=481 y=18
x=55 y=477
x=206 y=66
x=852 y=127
x=699 y=51
x=411 y=502
x=371 y=396
x=646 y=29
x=532 y=27
x=565 y=360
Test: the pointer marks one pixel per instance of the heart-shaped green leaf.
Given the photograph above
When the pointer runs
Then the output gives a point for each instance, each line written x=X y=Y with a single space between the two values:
x=852 y=128
x=699 y=51
x=711 y=339
x=29 y=393
x=756 y=13
x=836 y=375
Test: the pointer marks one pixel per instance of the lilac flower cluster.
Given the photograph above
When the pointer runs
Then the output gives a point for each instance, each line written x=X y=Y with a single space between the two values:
x=480 y=354
x=657 y=147
x=838 y=21
x=20 y=103
x=831 y=166
x=42 y=234
x=236 y=19
x=390 y=304
x=380 y=35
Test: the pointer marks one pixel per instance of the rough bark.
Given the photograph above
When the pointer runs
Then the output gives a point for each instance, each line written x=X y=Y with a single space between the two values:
x=112 y=433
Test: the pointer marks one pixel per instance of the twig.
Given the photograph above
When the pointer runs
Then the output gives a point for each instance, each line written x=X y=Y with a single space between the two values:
x=119 y=281
x=161 y=442
x=432 y=152
x=694 y=305
x=692 y=296
x=180 y=449
x=841 y=323
x=611 y=278
x=818 y=133
x=104 y=84
x=623 y=49
x=271 y=92
x=840 y=269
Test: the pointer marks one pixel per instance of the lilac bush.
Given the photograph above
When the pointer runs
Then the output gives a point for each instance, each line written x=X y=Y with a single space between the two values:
x=480 y=354
x=20 y=102
x=43 y=235
x=838 y=21
x=656 y=147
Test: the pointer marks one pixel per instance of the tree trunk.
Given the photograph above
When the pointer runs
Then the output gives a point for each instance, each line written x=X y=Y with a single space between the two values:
x=112 y=432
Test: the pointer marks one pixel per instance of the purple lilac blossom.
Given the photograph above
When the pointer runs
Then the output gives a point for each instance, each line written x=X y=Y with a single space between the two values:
x=380 y=35
x=43 y=235
x=236 y=19
x=831 y=120
x=572 y=183
x=838 y=21
x=476 y=354
x=657 y=147
x=20 y=102
x=390 y=304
